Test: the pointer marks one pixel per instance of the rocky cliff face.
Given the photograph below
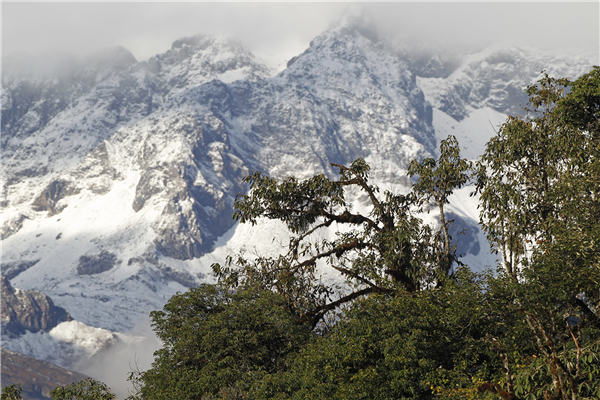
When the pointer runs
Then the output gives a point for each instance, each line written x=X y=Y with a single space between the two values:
x=28 y=310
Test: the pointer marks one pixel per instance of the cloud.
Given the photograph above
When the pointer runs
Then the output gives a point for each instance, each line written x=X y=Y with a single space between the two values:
x=134 y=353
x=273 y=31
x=467 y=27
x=278 y=31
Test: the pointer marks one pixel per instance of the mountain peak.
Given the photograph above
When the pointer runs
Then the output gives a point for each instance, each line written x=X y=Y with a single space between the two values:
x=350 y=50
x=355 y=22
x=198 y=59
x=351 y=31
x=116 y=57
x=203 y=42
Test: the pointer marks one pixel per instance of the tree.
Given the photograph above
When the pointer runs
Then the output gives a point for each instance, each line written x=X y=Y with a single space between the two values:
x=394 y=347
x=382 y=251
x=11 y=392
x=225 y=340
x=539 y=183
x=217 y=343
x=85 y=389
x=437 y=180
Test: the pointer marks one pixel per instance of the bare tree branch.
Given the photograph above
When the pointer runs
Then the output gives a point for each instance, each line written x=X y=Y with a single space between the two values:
x=319 y=312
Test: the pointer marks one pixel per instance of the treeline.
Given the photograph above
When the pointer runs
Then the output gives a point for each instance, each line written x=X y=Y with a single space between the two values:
x=411 y=321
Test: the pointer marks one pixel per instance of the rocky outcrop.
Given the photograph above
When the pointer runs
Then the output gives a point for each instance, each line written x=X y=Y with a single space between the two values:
x=12 y=225
x=12 y=269
x=27 y=310
x=51 y=195
x=96 y=264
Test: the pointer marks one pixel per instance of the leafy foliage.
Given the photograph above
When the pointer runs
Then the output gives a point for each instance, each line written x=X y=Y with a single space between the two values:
x=393 y=347
x=437 y=179
x=11 y=392
x=216 y=343
x=86 y=389
x=539 y=181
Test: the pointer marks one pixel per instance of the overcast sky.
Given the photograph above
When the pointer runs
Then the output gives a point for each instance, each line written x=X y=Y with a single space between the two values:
x=277 y=31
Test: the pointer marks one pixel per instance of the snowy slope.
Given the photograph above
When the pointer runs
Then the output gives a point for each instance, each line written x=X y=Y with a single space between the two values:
x=472 y=132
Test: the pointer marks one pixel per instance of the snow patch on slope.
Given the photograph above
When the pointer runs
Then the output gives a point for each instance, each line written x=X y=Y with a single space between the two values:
x=464 y=203
x=472 y=132
x=87 y=226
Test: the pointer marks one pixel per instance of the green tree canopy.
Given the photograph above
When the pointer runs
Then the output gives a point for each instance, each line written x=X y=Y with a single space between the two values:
x=216 y=343
x=437 y=180
x=539 y=182
x=86 y=389
x=394 y=347
x=11 y=392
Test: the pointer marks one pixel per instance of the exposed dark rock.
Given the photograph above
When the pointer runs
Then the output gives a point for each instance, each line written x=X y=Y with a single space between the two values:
x=52 y=194
x=96 y=264
x=179 y=237
x=27 y=173
x=151 y=182
x=14 y=268
x=165 y=272
x=28 y=310
x=37 y=378
x=182 y=277
x=96 y=171
x=176 y=245
x=135 y=260
x=104 y=299
x=12 y=226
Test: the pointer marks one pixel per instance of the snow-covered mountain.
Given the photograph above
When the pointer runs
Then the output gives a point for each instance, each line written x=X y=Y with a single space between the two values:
x=495 y=78
x=119 y=179
x=487 y=87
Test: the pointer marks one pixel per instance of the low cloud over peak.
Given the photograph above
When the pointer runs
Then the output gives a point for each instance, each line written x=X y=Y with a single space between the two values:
x=275 y=32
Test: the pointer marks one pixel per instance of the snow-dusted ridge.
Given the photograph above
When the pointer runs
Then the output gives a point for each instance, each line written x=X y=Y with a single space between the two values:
x=496 y=78
x=122 y=195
